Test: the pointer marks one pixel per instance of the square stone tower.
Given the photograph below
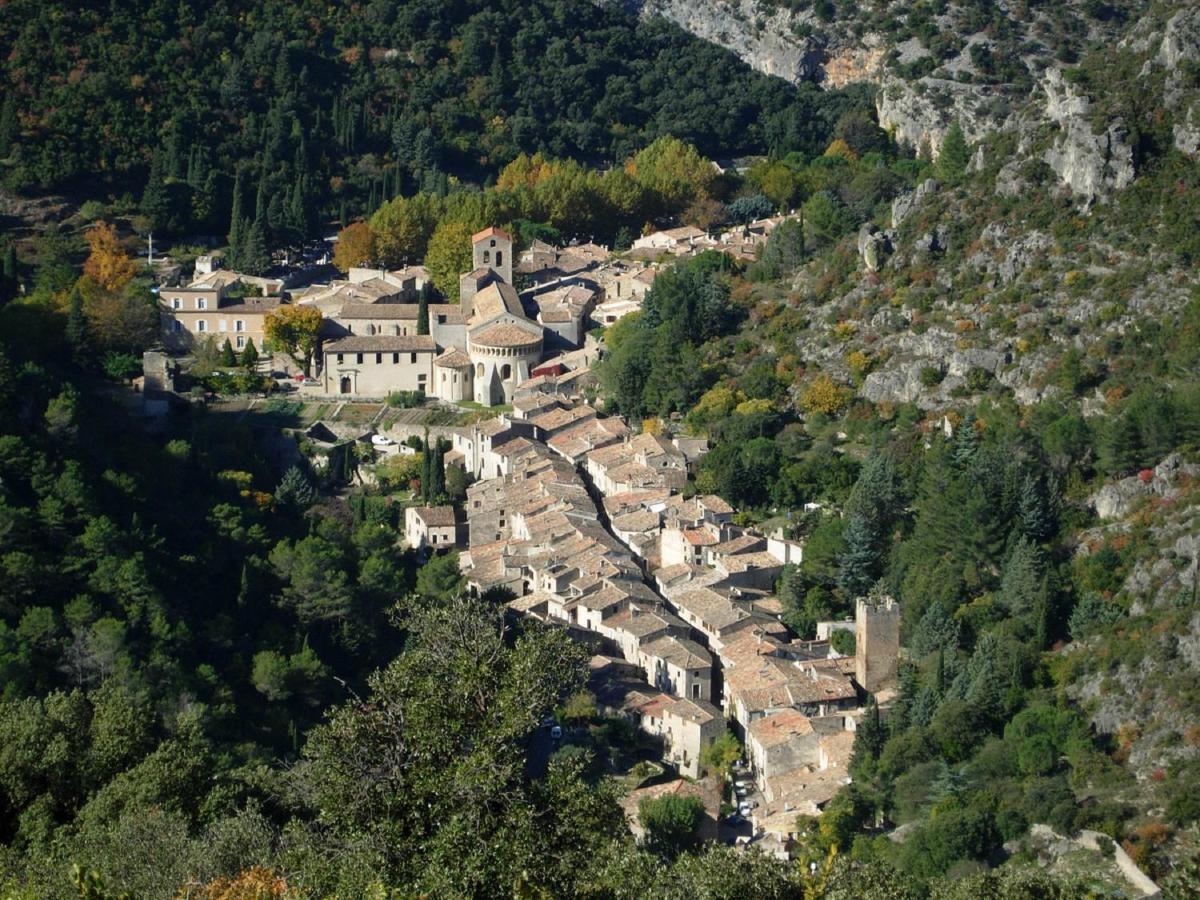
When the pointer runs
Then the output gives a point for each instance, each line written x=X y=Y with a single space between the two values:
x=876 y=642
x=493 y=249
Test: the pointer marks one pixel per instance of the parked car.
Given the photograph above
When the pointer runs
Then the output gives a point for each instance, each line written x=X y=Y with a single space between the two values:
x=742 y=783
x=744 y=810
x=381 y=440
x=556 y=732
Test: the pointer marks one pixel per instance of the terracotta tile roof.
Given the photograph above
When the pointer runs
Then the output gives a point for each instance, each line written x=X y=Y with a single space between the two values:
x=453 y=359
x=382 y=343
x=506 y=335
x=490 y=232
x=679 y=652
x=699 y=711
x=771 y=731
x=436 y=516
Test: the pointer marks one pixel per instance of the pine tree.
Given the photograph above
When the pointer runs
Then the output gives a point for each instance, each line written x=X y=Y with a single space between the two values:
x=857 y=563
x=423 y=311
x=966 y=442
x=953 y=156
x=249 y=358
x=1023 y=583
x=228 y=358
x=1036 y=520
x=295 y=490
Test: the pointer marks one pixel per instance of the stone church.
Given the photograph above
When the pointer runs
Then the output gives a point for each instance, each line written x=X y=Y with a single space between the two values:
x=479 y=349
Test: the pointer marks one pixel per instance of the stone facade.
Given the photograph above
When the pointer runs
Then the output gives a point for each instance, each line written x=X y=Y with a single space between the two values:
x=877 y=643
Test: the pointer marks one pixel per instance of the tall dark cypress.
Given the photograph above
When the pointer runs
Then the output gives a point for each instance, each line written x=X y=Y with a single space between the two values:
x=236 y=236
x=423 y=311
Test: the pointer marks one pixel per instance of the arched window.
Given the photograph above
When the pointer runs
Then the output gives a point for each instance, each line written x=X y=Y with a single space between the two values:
x=506 y=371
x=396 y=329
x=479 y=370
x=370 y=329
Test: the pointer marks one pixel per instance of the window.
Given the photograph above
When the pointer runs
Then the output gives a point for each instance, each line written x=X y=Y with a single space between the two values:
x=176 y=303
x=395 y=359
x=441 y=318
x=378 y=359
x=241 y=341
x=201 y=326
x=421 y=379
x=412 y=357
x=479 y=370
x=221 y=325
x=506 y=371
x=499 y=258
x=487 y=256
x=201 y=303
x=370 y=328
x=340 y=359
x=433 y=538
x=239 y=324
x=396 y=330
x=358 y=358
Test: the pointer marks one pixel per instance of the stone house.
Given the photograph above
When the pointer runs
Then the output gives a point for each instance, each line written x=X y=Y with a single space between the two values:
x=678 y=665
x=374 y=366
x=430 y=526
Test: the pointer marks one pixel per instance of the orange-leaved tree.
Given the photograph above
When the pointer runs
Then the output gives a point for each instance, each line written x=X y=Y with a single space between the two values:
x=294 y=329
x=355 y=246
x=108 y=265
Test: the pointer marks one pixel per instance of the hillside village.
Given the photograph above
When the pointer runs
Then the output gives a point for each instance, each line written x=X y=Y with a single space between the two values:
x=586 y=524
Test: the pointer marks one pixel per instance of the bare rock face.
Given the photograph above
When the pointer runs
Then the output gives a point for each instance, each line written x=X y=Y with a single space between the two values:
x=768 y=39
x=919 y=112
x=1117 y=500
x=1091 y=165
x=907 y=202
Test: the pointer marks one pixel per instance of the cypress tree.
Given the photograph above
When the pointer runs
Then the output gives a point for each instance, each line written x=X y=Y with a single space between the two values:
x=8 y=125
x=236 y=224
x=249 y=355
x=228 y=358
x=77 y=327
x=8 y=274
x=423 y=311
x=437 y=472
x=156 y=202
x=255 y=258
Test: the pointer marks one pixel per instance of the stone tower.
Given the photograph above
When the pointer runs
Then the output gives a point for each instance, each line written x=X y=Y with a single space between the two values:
x=876 y=642
x=492 y=249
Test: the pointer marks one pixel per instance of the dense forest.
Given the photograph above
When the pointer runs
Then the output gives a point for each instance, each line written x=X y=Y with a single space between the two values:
x=322 y=112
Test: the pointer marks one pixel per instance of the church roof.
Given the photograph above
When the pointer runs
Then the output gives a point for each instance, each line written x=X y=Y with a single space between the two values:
x=505 y=335
x=490 y=232
x=453 y=359
x=495 y=300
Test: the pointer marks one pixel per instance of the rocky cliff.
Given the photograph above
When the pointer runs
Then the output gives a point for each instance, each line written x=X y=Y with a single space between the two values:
x=989 y=74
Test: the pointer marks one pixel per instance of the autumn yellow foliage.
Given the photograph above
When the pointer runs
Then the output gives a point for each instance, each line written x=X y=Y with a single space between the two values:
x=823 y=396
x=355 y=246
x=108 y=265
x=256 y=883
